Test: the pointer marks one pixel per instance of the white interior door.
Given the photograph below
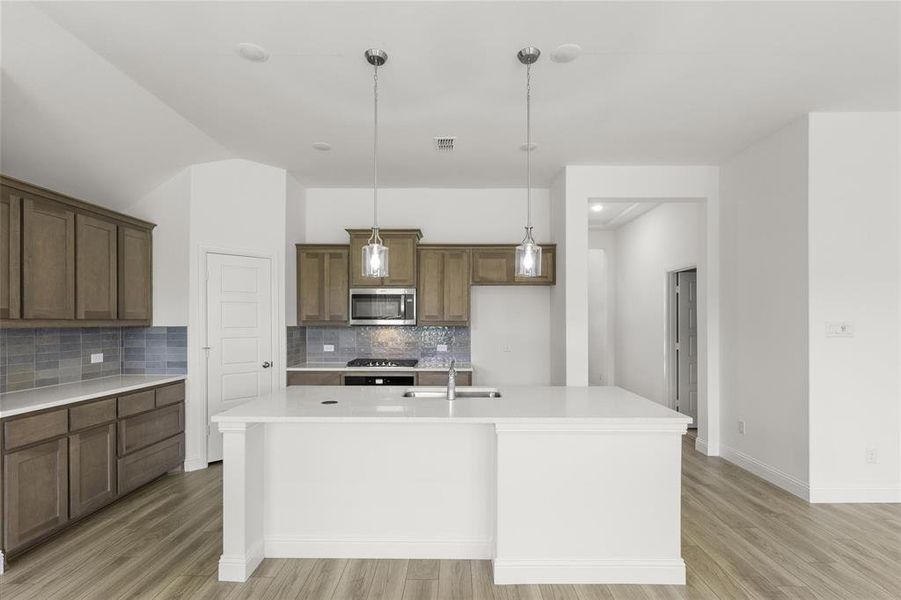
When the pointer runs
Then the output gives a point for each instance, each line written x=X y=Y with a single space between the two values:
x=239 y=335
x=687 y=344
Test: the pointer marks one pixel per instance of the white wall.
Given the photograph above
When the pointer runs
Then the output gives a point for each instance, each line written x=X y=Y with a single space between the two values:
x=557 y=217
x=664 y=239
x=516 y=317
x=601 y=307
x=697 y=183
x=854 y=214
x=236 y=206
x=168 y=207
x=763 y=226
x=444 y=215
x=295 y=233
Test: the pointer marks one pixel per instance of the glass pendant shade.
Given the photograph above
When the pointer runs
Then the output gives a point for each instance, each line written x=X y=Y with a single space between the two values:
x=375 y=257
x=528 y=257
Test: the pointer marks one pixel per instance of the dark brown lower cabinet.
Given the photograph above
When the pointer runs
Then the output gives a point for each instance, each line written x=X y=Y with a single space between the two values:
x=439 y=378
x=62 y=464
x=92 y=469
x=36 y=492
x=314 y=378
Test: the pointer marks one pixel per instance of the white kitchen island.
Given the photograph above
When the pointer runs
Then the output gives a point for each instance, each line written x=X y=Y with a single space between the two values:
x=553 y=484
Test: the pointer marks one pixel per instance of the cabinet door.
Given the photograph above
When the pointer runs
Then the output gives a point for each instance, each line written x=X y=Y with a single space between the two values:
x=322 y=291
x=336 y=291
x=357 y=241
x=135 y=273
x=430 y=292
x=92 y=469
x=314 y=378
x=48 y=258
x=492 y=266
x=310 y=287
x=36 y=492
x=10 y=265
x=96 y=268
x=401 y=260
x=456 y=287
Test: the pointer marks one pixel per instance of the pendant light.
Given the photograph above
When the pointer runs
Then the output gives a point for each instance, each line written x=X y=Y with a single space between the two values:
x=528 y=253
x=375 y=253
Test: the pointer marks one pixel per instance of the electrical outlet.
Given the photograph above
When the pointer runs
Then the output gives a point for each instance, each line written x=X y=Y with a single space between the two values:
x=839 y=329
x=741 y=427
x=870 y=456
x=328 y=347
x=507 y=348
x=441 y=348
x=97 y=358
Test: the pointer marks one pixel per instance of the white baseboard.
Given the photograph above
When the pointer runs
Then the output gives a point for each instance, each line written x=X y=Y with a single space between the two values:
x=282 y=546
x=861 y=495
x=778 y=478
x=240 y=568
x=612 y=571
x=195 y=463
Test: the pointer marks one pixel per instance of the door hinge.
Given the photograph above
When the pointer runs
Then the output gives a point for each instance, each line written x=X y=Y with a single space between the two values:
x=677 y=345
x=677 y=289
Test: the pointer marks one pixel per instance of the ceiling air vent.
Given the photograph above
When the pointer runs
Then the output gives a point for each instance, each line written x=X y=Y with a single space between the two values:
x=445 y=143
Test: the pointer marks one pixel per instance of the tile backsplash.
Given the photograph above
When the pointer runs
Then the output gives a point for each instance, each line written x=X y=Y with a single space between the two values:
x=39 y=357
x=386 y=342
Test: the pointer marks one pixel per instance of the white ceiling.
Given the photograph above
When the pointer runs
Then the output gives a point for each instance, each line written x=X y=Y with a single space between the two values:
x=667 y=82
x=616 y=213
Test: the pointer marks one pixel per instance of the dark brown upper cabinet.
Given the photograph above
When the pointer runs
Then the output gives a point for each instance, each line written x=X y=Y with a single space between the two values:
x=322 y=292
x=443 y=290
x=67 y=263
x=10 y=264
x=496 y=265
x=401 y=245
x=96 y=268
x=135 y=274
x=48 y=259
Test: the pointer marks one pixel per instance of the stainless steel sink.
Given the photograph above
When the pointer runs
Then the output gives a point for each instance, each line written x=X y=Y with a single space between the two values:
x=462 y=392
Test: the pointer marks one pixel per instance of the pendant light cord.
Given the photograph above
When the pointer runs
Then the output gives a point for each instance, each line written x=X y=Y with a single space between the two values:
x=529 y=146
x=375 y=152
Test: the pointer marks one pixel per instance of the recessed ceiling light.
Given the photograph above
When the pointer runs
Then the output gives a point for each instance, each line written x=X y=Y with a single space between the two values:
x=252 y=52
x=566 y=53
x=322 y=146
x=531 y=147
x=597 y=207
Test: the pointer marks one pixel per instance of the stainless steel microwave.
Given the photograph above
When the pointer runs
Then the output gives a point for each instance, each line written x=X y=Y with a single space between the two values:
x=383 y=306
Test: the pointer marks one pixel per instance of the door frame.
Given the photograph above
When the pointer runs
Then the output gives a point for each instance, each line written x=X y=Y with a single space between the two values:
x=277 y=318
x=670 y=330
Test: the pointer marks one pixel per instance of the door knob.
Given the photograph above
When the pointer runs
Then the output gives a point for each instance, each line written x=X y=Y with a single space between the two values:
x=267 y=364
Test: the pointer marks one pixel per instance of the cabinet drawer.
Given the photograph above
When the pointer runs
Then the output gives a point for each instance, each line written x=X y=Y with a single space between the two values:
x=145 y=465
x=314 y=378
x=150 y=427
x=170 y=394
x=95 y=413
x=439 y=378
x=28 y=430
x=133 y=404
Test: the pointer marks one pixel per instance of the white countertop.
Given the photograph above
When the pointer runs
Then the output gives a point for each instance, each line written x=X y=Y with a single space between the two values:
x=17 y=403
x=344 y=368
x=518 y=404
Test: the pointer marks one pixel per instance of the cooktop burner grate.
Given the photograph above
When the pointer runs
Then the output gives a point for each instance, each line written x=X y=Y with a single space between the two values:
x=382 y=362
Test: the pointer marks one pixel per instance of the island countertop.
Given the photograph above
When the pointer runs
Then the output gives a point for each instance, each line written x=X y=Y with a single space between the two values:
x=518 y=404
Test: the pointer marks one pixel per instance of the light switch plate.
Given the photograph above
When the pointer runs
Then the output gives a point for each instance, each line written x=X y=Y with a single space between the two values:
x=97 y=358
x=441 y=348
x=328 y=347
x=839 y=329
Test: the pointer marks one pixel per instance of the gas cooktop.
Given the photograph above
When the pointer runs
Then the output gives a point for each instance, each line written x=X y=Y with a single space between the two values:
x=382 y=362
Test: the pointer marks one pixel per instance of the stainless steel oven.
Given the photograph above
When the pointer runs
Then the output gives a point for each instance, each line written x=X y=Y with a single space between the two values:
x=383 y=306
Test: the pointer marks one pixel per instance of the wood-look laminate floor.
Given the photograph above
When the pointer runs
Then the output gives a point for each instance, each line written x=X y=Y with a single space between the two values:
x=742 y=538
